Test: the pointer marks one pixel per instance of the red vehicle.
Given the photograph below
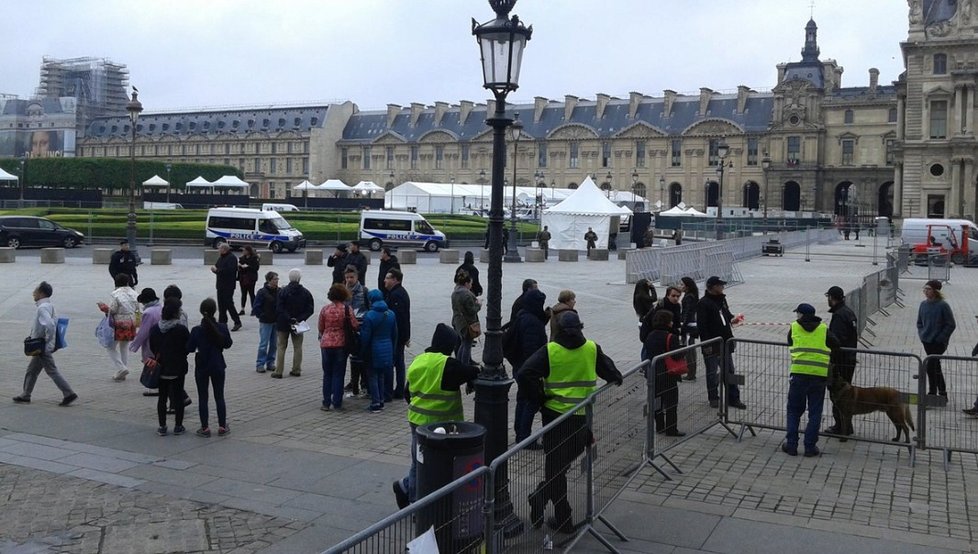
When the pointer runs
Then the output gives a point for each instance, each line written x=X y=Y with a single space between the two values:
x=943 y=238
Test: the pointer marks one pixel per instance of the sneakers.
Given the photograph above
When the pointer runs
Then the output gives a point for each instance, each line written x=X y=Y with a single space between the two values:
x=789 y=450
x=203 y=432
x=349 y=394
x=535 y=445
x=738 y=404
x=325 y=407
x=161 y=431
x=276 y=375
x=179 y=430
x=121 y=375
x=237 y=327
x=221 y=431
x=21 y=399
x=270 y=368
x=260 y=369
x=242 y=312
x=375 y=408
x=967 y=411
x=187 y=401
x=67 y=400
x=295 y=373
x=834 y=430
x=400 y=495
x=812 y=452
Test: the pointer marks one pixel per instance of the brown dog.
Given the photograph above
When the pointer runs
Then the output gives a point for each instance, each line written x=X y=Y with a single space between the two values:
x=859 y=400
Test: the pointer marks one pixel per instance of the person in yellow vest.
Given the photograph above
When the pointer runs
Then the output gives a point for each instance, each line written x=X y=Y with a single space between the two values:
x=811 y=344
x=434 y=380
x=558 y=376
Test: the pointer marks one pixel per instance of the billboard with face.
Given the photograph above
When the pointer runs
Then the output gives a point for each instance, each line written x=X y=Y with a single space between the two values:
x=38 y=143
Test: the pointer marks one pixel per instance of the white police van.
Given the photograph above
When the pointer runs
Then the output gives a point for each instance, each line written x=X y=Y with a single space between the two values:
x=241 y=226
x=382 y=227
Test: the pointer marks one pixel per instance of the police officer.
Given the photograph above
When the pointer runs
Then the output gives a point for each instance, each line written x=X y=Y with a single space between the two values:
x=560 y=375
x=432 y=391
x=124 y=261
x=811 y=345
x=843 y=326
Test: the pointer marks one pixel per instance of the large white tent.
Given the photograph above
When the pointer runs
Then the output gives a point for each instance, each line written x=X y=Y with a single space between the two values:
x=4 y=176
x=156 y=181
x=460 y=197
x=587 y=207
x=230 y=182
x=334 y=185
x=367 y=188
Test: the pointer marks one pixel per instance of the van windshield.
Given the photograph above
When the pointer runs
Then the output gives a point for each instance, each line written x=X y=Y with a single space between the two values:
x=280 y=223
x=424 y=227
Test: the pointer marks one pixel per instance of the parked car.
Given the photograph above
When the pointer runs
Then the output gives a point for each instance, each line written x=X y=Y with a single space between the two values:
x=17 y=231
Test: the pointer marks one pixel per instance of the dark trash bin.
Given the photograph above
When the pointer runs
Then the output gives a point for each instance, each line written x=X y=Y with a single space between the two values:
x=444 y=457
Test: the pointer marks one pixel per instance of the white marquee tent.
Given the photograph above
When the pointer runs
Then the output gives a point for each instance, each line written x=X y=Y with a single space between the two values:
x=458 y=197
x=156 y=181
x=230 y=182
x=334 y=185
x=199 y=182
x=4 y=176
x=587 y=207
x=305 y=185
x=367 y=187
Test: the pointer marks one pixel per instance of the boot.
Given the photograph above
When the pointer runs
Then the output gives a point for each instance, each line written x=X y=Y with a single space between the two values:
x=537 y=504
x=562 y=522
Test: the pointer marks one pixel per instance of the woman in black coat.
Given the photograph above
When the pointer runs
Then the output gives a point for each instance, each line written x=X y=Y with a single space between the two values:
x=468 y=264
x=691 y=296
x=168 y=344
x=248 y=265
x=660 y=341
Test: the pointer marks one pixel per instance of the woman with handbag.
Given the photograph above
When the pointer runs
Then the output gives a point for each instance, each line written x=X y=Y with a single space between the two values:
x=209 y=340
x=465 y=315
x=337 y=328
x=659 y=341
x=121 y=311
x=168 y=345
x=248 y=265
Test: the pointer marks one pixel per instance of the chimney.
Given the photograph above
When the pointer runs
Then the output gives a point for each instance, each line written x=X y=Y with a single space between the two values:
x=743 y=93
x=705 y=96
x=838 y=78
x=392 y=111
x=874 y=79
x=602 y=103
x=669 y=98
x=416 y=109
x=539 y=103
x=464 y=108
x=634 y=99
x=781 y=69
x=440 y=109
x=570 y=102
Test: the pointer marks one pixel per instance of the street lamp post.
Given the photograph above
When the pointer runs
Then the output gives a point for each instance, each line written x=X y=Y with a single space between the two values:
x=608 y=179
x=23 y=177
x=634 y=189
x=501 y=44
x=482 y=191
x=765 y=165
x=452 y=208
x=134 y=107
x=512 y=252
x=662 y=192
x=168 y=168
x=722 y=151
x=539 y=180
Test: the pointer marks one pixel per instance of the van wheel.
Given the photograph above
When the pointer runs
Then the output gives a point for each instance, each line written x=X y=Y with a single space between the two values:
x=375 y=244
x=431 y=246
x=70 y=242
x=13 y=242
x=957 y=258
x=275 y=247
x=218 y=242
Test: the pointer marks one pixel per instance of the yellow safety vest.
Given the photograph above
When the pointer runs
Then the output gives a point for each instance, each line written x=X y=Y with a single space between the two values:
x=572 y=376
x=429 y=403
x=809 y=354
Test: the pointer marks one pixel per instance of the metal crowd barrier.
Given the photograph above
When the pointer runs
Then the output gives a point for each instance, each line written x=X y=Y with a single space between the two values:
x=945 y=427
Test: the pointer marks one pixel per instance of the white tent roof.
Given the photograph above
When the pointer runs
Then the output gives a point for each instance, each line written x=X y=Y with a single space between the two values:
x=230 y=181
x=305 y=185
x=199 y=182
x=156 y=181
x=333 y=184
x=368 y=186
x=694 y=212
x=588 y=199
x=4 y=176
x=675 y=210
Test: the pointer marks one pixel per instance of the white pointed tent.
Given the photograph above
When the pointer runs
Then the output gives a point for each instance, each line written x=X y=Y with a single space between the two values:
x=4 y=176
x=367 y=188
x=305 y=185
x=586 y=207
x=199 y=183
x=230 y=182
x=156 y=181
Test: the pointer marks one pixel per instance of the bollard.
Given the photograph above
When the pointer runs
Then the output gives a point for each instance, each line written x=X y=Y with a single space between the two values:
x=451 y=452
x=449 y=256
x=52 y=255
x=266 y=257
x=407 y=256
x=534 y=255
x=314 y=257
x=598 y=254
x=567 y=255
x=160 y=256
x=101 y=256
x=8 y=255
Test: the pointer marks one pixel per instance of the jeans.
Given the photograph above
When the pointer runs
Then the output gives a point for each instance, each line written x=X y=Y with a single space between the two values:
x=283 y=343
x=399 y=372
x=267 y=346
x=45 y=362
x=804 y=389
x=377 y=384
x=334 y=371
x=464 y=351
x=410 y=481
x=712 y=364
x=216 y=377
x=172 y=390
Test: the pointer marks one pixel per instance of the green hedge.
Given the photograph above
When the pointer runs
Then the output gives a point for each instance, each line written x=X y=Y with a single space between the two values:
x=108 y=173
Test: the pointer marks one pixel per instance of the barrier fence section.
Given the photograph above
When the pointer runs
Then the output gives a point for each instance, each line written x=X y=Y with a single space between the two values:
x=450 y=512
x=945 y=427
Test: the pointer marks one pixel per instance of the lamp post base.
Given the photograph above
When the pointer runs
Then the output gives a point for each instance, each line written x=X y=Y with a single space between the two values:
x=492 y=412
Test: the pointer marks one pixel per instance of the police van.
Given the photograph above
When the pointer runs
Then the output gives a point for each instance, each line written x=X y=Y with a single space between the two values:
x=261 y=228
x=382 y=227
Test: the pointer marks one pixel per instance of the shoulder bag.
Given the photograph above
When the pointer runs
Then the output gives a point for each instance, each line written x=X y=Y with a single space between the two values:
x=350 y=335
x=675 y=368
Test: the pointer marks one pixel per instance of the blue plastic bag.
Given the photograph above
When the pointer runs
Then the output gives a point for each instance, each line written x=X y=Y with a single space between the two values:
x=60 y=332
x=105 y=333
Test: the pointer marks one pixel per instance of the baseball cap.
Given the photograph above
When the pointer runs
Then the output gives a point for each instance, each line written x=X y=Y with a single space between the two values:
x=805 y=309
x=714 y=280
x=836 y=292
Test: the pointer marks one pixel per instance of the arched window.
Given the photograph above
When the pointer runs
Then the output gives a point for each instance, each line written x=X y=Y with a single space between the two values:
x=675 y=194
x=712 y=193
x=791 y=197
x=752 y=196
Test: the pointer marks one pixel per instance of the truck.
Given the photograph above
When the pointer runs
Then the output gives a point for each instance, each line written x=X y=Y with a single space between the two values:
x=944 y=237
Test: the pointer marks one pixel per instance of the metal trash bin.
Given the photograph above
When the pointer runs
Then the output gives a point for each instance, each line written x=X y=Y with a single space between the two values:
x=453 y=451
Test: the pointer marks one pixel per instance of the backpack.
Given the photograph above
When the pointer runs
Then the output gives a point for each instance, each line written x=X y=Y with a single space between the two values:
x=511 y=343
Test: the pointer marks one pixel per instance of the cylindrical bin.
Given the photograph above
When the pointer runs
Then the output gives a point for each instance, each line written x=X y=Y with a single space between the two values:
x=447 y=451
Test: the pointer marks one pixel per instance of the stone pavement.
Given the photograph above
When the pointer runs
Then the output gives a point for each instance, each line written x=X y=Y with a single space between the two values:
x=94 y=477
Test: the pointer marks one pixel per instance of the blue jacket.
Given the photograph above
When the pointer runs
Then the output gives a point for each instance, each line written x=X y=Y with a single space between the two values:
x=378 y=333
x=209 y=357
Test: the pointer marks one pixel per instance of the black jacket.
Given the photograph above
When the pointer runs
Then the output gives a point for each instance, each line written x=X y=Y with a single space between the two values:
x=294 y=304
x=359 y=261
x=662 y=304
x=688 y=305
x=536 y=368
x=844 y=326
x=385 y=266
x=713 y=319
x=399 y=302
x=265 y=306
x=445 y=340
x=531 y=326
x=338 y=263
x=170 y=349
x=474 y=274
x=658 y=342
x=227 y=271
x=124 y=262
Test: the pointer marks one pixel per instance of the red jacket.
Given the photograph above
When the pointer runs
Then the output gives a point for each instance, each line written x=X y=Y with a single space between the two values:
x=331 y=330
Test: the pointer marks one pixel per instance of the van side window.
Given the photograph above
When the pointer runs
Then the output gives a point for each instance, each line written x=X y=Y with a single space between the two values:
x=267 y=226
x=387 y=224
x=241 y=223
x=425 y=228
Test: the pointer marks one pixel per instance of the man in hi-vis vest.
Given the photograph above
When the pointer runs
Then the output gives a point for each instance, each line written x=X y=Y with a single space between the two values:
x=432 y=391
x=558 y=376
x=811 y=344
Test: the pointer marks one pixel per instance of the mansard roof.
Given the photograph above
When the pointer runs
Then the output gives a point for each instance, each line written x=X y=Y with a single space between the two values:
x=18 y=106
x=239 y=122
x=368 y=126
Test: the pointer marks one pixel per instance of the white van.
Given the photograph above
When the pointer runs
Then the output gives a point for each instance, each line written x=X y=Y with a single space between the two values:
x=279 y=208
x=161 y=206
x=953 y=237
x=380 y=227
x=241 y=226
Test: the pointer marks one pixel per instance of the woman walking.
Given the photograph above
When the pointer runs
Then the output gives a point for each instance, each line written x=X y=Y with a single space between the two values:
x=209 y=340
x=168 y=345
x=378 y=335
x=935 y=324
x=248 y=265
x=660 y=341
x=465 y=315
x=121 y=310
x=691 y=296
x=333 y=321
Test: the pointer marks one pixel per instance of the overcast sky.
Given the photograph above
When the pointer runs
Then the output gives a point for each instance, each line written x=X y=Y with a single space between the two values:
x=187 y=54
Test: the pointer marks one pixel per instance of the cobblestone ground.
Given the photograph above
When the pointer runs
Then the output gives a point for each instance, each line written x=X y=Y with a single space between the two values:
x=42 y=512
